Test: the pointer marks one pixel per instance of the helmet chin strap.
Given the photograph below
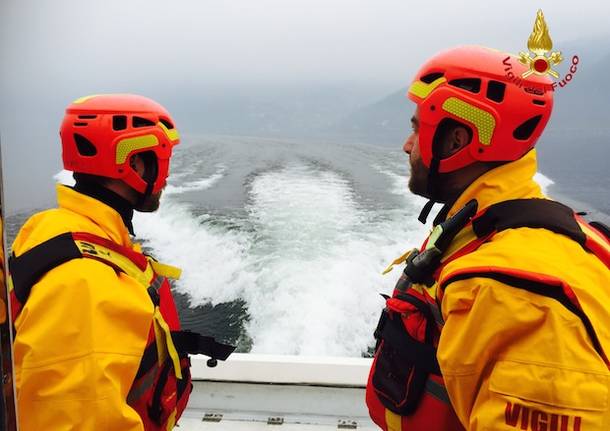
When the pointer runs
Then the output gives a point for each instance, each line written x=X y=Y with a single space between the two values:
x=151 y=171
x=432 y=189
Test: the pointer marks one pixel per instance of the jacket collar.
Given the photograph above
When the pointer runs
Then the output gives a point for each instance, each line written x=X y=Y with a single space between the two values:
x=514 y=180
x=106 y=217
x=110 y=198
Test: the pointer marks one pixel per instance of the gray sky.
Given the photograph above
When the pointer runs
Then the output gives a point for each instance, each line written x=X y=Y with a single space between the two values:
x=56 y=50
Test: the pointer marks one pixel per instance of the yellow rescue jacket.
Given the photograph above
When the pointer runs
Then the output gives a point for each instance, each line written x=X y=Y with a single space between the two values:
x=81 y=333
x=512 y=359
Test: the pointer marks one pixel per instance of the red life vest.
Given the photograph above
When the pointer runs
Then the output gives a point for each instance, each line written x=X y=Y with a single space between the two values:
x=405 y=390
x=161 y=388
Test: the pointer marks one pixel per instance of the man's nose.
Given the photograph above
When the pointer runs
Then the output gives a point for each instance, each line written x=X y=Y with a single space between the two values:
x=408 y=145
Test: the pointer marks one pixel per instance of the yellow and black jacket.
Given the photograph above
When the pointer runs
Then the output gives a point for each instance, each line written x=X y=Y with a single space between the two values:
x=98 y=343
x=524 y=332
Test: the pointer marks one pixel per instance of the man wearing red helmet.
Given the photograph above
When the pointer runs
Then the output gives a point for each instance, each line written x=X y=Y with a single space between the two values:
x=499 y=320
x=97 y=341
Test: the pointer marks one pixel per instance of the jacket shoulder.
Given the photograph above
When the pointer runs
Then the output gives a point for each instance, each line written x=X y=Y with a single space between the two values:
x=47 y=224
x=555 y=261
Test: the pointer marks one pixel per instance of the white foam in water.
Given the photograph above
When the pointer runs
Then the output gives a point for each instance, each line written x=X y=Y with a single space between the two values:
x=212 y=259
x=400 y=186
x=64 y=177
x=310 y=272
x=213 y=263
x=544 y=182
x=200 y=184
x=303 y=220
x=319 y=259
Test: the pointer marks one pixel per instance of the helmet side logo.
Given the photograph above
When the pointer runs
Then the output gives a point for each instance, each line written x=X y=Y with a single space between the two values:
x=540 y=43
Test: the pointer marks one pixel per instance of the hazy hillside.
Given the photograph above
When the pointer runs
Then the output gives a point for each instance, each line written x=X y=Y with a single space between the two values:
x=269 y=111
x=384 y=122
x=583 y=103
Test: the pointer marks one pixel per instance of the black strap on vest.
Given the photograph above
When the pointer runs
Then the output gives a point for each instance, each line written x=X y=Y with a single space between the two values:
x=421 y=265
x=533 y=213
x=28 y=268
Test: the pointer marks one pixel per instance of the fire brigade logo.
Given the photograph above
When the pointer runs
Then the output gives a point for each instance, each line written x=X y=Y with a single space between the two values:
x=540 y=43
x=540 y=61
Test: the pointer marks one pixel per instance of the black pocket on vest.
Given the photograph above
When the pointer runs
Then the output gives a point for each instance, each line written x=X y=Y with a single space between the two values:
x=403 y=362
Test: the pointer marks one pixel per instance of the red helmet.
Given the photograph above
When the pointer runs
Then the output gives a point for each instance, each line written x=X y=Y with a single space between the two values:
x=99 y=134
x=482 y=88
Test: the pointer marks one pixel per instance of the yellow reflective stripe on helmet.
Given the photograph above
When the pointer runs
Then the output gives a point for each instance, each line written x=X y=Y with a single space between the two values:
x=172 y=134
x=84 y=99
x=165 y=270
x=126 y=146
x=117 y=259
x=423 y=90
x=483 y=120
x=393 y=421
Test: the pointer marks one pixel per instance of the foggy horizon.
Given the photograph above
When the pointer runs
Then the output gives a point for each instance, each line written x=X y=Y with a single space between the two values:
x=214 y=63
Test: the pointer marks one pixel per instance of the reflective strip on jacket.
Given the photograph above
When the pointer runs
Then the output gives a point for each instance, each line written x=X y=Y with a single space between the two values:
x=515 y=360
x=81 y=333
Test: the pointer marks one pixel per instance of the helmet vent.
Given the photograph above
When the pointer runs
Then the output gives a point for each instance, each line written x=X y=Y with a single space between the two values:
x=80 y=124
x=119 y=122
x=525 y=130
x=495 y=91
x=431 y=77
x=84 y=146
x=166 y=123
x=141 y=122
x=87 y=117
x=539 y=102
x=469 y=84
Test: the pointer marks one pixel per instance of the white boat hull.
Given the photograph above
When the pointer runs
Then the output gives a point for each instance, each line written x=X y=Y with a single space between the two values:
x=262 y=392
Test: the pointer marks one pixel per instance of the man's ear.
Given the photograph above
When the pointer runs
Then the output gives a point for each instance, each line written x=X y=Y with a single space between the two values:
x=458 y=139
x=137 y=164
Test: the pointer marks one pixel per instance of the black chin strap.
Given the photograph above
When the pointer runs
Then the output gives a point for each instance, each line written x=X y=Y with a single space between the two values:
x=151 y=170
x=425 y=211
x=432 y=188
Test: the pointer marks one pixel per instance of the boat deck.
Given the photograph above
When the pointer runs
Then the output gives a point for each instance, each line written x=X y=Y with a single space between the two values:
x=282 y=393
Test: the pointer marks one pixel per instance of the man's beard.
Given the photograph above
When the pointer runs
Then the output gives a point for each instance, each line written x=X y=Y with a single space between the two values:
x=443 y=188
x=418 y=181
x=150 y=204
